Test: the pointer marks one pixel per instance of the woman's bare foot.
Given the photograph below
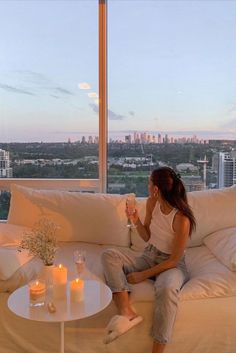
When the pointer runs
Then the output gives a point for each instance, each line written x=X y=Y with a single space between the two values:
x=123 y=305
x=129 y=313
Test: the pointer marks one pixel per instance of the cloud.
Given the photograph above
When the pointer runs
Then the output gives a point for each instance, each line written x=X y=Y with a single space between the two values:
x=132 y=113
x=114 y=116
x=32 y=77
x=94 y=107
x=232 y=109
x=52 y=95
x=63 y=90
x=34 y=83
x=93 y=95
x=84 y=85
x=15 y=89
x=231 y=124
x=111 y=115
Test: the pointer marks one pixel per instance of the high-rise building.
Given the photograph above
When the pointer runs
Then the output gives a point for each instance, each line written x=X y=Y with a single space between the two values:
x=90 y=139
x=5 y=169
x=128 y=139
x=143 y=137
x=226 y=169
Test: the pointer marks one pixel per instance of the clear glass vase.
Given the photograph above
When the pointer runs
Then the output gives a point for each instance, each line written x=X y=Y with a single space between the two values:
x=47 y=276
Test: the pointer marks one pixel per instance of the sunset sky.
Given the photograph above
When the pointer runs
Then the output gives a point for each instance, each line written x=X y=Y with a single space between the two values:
x=171 y=68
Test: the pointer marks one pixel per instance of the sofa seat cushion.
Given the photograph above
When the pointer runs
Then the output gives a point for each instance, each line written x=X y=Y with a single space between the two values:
x=208 y=277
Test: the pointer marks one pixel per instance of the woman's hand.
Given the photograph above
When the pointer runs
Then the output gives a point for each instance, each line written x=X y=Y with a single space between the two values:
x=132 y=216
x=136 y=277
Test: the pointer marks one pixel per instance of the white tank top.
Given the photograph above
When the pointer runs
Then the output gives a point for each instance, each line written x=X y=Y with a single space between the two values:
x=161 y=229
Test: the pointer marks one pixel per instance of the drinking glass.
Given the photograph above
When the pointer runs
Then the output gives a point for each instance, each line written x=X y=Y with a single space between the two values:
x=37 y=291
x=79 y=259
x=130 y=207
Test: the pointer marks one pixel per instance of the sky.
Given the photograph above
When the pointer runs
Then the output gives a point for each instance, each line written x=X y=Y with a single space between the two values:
x=171 y=68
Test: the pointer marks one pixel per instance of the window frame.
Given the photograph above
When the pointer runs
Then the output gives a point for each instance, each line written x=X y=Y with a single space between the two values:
x=94 y=185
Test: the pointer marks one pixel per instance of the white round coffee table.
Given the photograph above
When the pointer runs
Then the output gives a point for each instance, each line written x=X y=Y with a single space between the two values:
x=96 y=297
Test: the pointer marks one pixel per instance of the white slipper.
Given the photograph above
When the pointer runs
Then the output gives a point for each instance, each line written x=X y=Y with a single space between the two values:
x=118 y=325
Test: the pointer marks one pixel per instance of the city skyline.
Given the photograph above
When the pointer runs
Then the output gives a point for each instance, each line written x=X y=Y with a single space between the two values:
x=179 y=81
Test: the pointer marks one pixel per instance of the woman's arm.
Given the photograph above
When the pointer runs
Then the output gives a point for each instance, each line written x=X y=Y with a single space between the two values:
x=143 y=229
x=181 y=227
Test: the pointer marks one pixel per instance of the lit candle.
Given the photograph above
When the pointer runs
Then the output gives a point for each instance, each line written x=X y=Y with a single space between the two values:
x=37 y=291
x=77 y=290
x=59 y=281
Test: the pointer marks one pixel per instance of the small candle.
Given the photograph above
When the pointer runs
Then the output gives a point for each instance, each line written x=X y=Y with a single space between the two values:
x=77 y=290
x=59 y=281
x=37 y=291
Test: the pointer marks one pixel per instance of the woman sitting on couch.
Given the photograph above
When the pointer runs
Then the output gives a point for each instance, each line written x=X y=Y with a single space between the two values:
x=168 y=223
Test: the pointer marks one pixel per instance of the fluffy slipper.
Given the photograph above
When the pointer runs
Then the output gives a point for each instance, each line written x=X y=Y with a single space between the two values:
x=118 y=325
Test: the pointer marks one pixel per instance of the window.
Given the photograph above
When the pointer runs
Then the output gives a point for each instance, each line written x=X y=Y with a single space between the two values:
x=171 y=92
x=49 y=89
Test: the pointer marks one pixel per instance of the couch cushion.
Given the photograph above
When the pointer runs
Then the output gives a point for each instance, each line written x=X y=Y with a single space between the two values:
x=11 y=260
x=208 y=277
x=213 y=210
x=223 y=245
x=25 y=273
x=95 y=218
x=11 y=234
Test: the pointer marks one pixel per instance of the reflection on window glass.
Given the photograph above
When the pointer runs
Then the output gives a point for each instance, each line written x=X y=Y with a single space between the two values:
x=4 y=204
x=49 y=89
x=172 y=95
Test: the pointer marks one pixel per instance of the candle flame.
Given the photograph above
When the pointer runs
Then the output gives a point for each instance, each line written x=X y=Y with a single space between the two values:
x=60 y=266
x=37 y=283
x=77 y=280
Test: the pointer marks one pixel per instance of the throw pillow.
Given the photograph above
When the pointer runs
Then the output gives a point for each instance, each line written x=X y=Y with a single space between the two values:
x=11 y=234
x=11 y=260
x=213 y=210
x=223 y=245
x=93 y=218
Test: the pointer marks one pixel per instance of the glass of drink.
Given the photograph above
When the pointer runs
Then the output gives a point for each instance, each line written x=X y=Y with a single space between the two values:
x=37 y=290
x=79 y=259
x=130 y=208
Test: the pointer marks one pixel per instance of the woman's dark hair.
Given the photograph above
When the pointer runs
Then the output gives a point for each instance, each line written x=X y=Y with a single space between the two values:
x=173 y=191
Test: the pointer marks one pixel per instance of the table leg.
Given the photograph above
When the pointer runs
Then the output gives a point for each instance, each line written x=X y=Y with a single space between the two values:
x=62 y=337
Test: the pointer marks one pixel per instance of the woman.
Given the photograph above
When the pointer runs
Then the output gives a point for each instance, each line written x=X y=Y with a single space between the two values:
x=168 y=224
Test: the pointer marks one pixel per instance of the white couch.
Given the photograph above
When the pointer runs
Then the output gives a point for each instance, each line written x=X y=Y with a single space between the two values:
x=206 y=318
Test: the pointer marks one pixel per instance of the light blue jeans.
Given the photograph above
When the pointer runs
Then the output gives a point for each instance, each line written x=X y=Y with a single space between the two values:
x=167 y=284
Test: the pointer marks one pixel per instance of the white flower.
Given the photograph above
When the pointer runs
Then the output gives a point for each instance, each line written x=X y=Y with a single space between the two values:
x=41 y=241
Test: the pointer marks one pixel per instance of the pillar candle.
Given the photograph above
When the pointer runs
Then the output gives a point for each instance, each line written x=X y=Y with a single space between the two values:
x=77 y=290
x=59 y=281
